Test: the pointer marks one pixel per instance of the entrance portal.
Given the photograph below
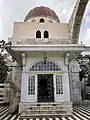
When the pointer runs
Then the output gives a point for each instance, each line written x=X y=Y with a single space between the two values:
x=45 y=88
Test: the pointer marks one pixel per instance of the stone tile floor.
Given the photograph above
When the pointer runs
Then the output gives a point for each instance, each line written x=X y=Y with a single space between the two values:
x=80 y=113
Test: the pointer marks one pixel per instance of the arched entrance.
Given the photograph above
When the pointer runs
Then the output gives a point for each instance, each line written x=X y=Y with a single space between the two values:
x=46 y=86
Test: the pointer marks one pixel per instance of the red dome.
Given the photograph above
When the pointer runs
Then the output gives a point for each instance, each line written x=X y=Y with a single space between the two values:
x=41 y=11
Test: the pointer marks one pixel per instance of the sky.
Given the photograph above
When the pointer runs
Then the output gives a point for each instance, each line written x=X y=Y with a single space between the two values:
x=16 y=10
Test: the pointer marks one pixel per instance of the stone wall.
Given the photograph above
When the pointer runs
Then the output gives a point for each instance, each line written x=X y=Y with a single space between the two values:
x=75 y=85
x=15 y=87
x=6 y=93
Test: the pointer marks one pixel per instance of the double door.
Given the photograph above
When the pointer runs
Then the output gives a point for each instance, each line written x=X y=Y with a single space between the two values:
x=45 y=88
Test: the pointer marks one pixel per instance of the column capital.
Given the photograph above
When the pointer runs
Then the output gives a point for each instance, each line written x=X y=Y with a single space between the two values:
x=23 y=59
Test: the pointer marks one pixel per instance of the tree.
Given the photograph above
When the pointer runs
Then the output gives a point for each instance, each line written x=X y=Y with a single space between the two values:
x=84 y=64
x=3 y=68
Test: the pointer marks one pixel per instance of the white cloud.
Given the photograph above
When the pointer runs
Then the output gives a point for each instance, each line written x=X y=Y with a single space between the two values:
x=1 y=1
x=88 y=30
x=64 y=11
x=1 y=27
x=85 y=27
x=85 y=37
x=87 y=19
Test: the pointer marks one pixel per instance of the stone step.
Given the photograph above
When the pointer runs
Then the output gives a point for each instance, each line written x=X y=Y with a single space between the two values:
x=44 y=115
x=38 y=109
x=45 y=105
x=46 y=110
x=48 y=106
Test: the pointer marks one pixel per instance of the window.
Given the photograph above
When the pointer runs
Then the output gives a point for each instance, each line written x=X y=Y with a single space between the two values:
x=47 y=66
x=31 y=85
x=59 y=84
x=42 y=20
x=38 y=34
x=46 y=34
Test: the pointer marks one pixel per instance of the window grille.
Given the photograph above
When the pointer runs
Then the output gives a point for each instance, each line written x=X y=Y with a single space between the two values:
x=31 y=85
x=59 y=84
x=47 y=66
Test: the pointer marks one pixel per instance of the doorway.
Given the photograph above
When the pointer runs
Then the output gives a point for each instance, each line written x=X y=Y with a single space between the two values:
x=45 y=88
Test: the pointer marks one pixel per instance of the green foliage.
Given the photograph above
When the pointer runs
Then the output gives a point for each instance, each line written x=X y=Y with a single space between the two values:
x=3 y=69
x=84 y=64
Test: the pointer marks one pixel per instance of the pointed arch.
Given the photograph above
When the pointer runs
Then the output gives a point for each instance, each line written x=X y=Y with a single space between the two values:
x=46 y=34
x=38 y=34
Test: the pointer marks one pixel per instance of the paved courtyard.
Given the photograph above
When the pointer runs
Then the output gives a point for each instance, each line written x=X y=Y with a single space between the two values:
x=80 y=113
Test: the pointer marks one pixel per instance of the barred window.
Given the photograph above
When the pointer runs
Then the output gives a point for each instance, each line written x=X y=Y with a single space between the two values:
x=59 y=84
x=31 y=85
x=47 y=66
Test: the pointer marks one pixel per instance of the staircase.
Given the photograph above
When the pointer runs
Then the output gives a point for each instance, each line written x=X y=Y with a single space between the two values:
x=47 y=109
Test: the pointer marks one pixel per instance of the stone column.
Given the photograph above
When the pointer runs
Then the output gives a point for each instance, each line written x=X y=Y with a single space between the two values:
x=24 y=87
x=75 y=82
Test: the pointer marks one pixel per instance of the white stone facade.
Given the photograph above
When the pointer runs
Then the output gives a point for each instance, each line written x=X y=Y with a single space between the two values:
x=26 y=73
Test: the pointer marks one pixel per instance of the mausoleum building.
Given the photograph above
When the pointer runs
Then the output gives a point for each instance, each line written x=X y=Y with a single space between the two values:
x=47 y=73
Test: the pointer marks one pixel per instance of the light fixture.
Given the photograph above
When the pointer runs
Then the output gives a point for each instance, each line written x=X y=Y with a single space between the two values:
x=44 y=58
